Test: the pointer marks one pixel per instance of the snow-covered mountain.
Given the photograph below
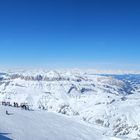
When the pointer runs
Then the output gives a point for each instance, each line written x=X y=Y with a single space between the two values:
x=41 y=125
x=111 y=100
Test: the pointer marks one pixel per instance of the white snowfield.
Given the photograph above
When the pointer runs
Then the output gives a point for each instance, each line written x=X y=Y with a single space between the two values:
x=42 y=125
x=111 y=102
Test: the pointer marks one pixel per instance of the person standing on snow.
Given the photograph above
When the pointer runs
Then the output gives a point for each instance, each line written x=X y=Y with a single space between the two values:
x=7 y=112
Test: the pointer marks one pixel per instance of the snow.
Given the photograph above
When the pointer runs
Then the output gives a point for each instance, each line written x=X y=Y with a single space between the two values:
x=108 y=101
x=42 y=125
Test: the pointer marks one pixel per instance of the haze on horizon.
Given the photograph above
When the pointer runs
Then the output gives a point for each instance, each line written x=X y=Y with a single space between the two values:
x=70 y=34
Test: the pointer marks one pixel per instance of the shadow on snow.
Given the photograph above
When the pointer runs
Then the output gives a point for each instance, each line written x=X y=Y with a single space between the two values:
x=3 y=136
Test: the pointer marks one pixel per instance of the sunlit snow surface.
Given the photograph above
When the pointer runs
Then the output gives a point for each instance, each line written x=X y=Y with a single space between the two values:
x=41 y=125
x=109 y=101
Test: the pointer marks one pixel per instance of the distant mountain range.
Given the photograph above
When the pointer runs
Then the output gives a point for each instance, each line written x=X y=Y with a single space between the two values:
x=109 y=100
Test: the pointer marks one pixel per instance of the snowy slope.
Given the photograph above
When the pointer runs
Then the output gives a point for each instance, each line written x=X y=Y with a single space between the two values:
x=109 y=101
x=41 y=125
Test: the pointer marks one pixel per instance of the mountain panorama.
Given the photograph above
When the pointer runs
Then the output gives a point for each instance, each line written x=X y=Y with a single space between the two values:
x=92 y=104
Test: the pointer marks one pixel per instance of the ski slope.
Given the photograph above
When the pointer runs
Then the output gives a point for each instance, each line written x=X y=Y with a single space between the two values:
x=42 y=125
x=108 y=101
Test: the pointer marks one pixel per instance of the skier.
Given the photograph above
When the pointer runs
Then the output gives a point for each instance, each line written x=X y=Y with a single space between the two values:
x=7 y=112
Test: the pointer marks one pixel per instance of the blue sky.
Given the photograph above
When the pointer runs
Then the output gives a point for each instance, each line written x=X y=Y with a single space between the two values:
x=102 y=34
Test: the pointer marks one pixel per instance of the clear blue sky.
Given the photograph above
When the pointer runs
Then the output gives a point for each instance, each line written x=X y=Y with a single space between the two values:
x=70 y=33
